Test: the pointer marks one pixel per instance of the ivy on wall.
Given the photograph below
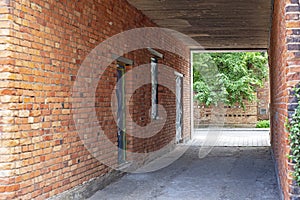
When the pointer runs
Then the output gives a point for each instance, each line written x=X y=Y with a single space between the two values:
x=293 y=126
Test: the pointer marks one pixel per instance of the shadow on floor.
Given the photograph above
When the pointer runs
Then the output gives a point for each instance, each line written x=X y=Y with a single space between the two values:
x=226 y=173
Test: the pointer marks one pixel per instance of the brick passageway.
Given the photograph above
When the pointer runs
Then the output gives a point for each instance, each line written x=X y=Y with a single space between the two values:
x=226 y=173
x=46 y=89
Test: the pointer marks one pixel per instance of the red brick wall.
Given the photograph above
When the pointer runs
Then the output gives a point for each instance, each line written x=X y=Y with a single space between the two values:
x=43 y=43
x=142 y=100
x=284 y=74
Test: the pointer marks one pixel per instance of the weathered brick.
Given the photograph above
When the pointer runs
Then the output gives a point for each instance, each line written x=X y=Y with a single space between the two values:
x=24 y=113
x=6 y=166
x=294 y=47
x=48 y=40
x=292 y=8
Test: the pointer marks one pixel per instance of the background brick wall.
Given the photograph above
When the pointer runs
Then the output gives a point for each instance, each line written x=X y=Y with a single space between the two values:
x=263 y=96
x=43 y=43
x=234 y=116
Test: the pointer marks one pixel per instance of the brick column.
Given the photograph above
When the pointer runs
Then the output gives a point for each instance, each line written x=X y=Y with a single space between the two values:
x=284 y=63
x=292 y=14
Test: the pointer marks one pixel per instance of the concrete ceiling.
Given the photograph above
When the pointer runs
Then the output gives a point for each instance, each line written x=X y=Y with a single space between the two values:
x=215 y=24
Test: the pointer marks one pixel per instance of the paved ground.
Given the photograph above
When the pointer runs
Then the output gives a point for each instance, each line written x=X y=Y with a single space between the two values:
x=226 y=173
x=232 y=137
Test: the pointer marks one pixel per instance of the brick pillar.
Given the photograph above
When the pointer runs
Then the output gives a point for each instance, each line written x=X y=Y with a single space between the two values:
x=292 y=14
x=284 y=62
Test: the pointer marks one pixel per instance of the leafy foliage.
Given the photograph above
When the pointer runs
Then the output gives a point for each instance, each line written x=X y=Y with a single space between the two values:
x=228 y=78
x=293 y=127
x=263 y=124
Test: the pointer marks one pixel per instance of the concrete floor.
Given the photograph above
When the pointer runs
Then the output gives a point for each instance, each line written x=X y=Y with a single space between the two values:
x=226 y=173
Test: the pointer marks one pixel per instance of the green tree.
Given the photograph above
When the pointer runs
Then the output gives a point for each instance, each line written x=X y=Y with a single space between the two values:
x=228 y=78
